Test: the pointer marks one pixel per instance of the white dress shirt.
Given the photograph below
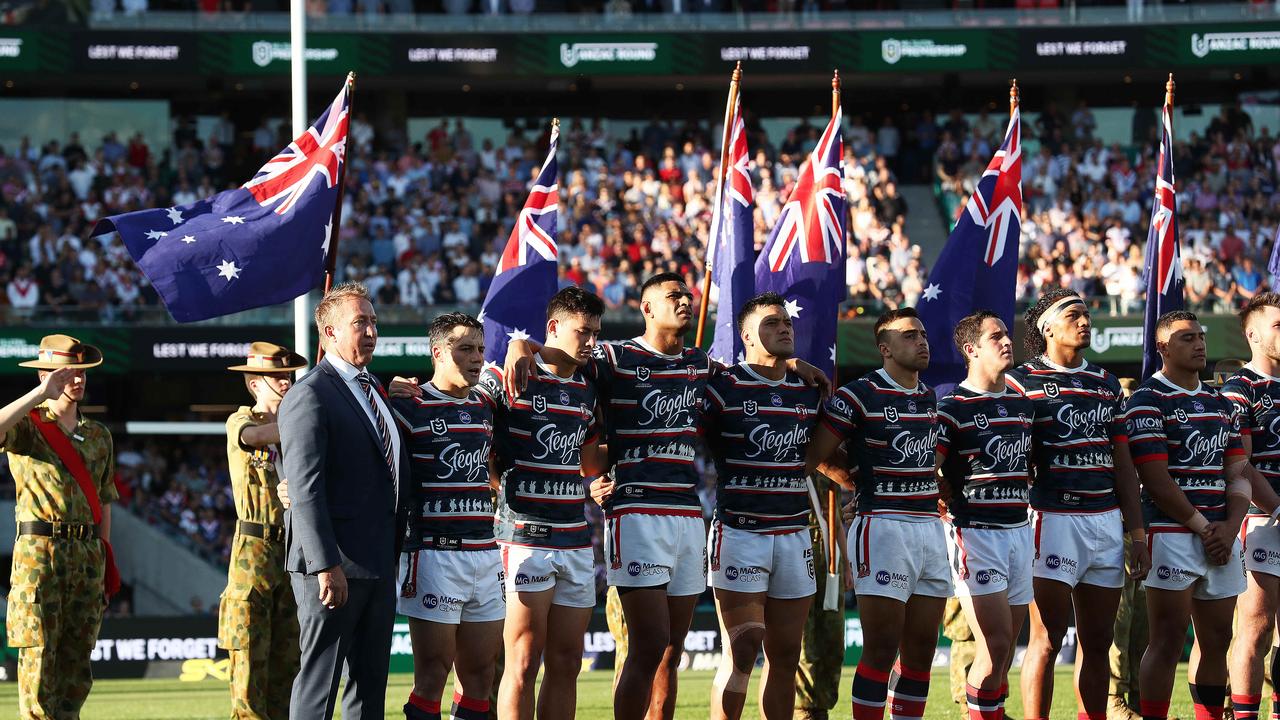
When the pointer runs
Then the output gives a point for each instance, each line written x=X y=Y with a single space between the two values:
x=348 y=373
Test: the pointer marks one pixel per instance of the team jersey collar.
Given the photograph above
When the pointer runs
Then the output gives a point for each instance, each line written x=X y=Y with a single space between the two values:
x=1259 y=373
x=649 y=348
x=551 y=373
x=983 y=393
x=1159 y=375
x=430 y=388
x=894 y=383
x=757 y=376
x=1084 y=365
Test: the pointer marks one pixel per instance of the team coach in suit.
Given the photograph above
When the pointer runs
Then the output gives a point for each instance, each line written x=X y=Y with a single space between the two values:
x=350 y=497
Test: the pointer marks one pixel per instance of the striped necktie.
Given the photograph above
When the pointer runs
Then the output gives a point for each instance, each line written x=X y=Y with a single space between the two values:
x=366 y=384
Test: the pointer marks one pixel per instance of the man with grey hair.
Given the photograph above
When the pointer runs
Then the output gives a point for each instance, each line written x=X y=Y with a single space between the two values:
x=349 y=493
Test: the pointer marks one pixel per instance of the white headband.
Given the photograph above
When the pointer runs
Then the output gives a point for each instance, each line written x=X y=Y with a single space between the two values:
x=1057 y=309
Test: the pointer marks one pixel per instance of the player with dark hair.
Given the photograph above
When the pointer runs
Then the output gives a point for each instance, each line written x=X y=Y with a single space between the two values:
x=887 y=420
x=1084 y=499
x=1254 y=392
x=1195 y=492
x=984 y=442
x=757 y=421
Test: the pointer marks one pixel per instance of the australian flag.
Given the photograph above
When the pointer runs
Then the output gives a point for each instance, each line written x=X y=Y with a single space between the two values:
x=260 y=244
x=732 y=243
x=803 y=259
x=1163 y=274
x=978 y=267
x=515 y=307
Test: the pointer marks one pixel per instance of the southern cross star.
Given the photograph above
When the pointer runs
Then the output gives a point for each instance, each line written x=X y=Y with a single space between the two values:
x=932 y=292
x=155 y=234
x=188 y=239
x=793 y=308
x=518 y=334
x=175 y=215
x=233 y=219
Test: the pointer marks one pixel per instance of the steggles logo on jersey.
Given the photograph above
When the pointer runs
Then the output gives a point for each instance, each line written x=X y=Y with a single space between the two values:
x=1075 y=422
x=1274 y=433
x=671 y=410
x=1051 y=389
x=1014 y=454
x=1203 y=449
x=980 y=419
x=554 y=442
x=749 y=407
x=784 y=445
x=458 y=461
x=918 y=447
x=891 y=414
x=642 y=374
x=539 y=404
x=439 y=426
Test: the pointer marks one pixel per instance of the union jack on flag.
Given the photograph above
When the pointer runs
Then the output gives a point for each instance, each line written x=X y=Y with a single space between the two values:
x=803 y=259
x=515 y=308
x=977 y=269
x=732 y=243
x=260 y=244
x=1163 y=273
x=317 y=152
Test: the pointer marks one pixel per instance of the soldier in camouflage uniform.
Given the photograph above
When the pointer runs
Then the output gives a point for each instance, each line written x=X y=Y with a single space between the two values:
x=963 y=649
x=59 y=560
x=822 y=650
x=257 y=618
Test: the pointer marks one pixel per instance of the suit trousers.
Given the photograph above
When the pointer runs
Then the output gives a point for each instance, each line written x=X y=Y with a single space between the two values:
x=356 y=635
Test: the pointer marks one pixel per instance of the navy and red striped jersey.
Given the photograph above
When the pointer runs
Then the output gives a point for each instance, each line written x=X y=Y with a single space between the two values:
x=652 y=402
x=538 y=446
x=1255 y=398
x=1195 y=432
x=891 y=433
x=449 y=444
x=985 y=442
x=1079 y=417
x=758 y=431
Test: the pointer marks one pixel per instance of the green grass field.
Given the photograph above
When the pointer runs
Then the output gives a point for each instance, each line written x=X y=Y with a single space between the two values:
x=207 y=699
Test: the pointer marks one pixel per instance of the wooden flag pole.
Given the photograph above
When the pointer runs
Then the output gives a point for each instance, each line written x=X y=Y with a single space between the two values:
x=335 y=224
x=833 y=492
x=734 y=82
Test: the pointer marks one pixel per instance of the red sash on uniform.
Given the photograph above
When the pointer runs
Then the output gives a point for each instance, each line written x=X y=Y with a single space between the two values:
x=75 y=465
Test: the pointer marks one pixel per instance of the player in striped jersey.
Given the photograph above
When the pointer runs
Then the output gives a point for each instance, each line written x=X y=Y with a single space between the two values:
x=651 y=391
x=1085 y=497
x=451 y=589
x=984 y=441
x=758 y=420
x=1194 y=493
x=887 y=420
x=544 y=440
x=1254 y=393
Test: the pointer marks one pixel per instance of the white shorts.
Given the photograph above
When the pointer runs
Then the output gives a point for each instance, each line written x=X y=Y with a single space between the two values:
x=1075 y=548
x=991 y=560
x=1261 y=545
x=571 y=573
x=652 y=550
x=778 y=564
x=1178 y=561
x=898 y=558
x=452 y=586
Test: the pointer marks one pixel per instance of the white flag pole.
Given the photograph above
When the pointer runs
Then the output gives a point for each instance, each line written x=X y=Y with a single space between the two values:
x=298 y=83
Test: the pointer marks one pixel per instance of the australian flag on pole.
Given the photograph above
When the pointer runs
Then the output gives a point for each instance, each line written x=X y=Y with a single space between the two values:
x=978 y=267
x=515 y=307
x=260 y=244
x=732 y=243
x=1163 y=274
x=803 y=259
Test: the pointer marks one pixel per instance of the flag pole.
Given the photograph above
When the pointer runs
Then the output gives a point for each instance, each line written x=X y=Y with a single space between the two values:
x=1015 y=97
x=335 y=223
x=298 y=83
x=734 y=82
x=833 y=493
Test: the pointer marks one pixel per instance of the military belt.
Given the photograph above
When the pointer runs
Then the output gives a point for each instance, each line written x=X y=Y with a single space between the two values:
x=259 y=530
x=60 y=530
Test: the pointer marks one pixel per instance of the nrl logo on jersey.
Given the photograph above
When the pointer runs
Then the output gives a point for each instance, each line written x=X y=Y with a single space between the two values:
x=749 y=407
x=539 y=404
x=981 y=421
x=642 y=374
x=1267 y=402
x=439 y=426
x=1180 y=414
x=1051 y=389
x=891 y=414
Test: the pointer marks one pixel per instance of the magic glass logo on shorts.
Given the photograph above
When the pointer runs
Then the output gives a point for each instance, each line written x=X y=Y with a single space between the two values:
x=521 y=579
x=633 y=568
x=882 y=577
x=731 y=573
x=1164 y=572
x=1053 y=562
x=1259 y=555
x=989 y=575
x=430 y=601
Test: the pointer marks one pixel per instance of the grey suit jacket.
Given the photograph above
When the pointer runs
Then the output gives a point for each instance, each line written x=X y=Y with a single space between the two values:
x=345 y=507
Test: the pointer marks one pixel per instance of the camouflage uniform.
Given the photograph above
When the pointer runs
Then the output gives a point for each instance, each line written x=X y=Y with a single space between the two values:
x=963 y=650
x=257 y=618
x=1130 y=639
x=822 y=650
x=56 y=600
